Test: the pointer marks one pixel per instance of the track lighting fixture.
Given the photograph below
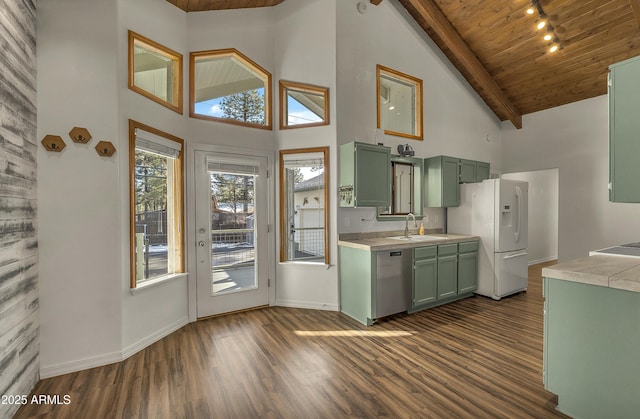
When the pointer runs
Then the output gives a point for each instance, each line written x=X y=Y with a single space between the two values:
x=542 y=22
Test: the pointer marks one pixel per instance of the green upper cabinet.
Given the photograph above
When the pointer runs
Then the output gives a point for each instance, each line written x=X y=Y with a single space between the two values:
x=468 y=171
x=473 y=171
x=482 y=171
x=441 y=181
x=624 y=131
x=365 y=175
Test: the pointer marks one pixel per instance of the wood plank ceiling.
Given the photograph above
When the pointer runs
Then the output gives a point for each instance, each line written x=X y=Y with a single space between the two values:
x=497 y=48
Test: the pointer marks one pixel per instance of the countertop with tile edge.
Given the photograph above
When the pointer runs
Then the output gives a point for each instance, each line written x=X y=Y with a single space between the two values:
x=619 y=272
x=381 y=241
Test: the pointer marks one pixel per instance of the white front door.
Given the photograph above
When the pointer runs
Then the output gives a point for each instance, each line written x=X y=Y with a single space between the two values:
x=231 y=232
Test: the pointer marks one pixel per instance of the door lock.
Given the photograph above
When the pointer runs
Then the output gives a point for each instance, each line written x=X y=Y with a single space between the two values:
x=201 y=243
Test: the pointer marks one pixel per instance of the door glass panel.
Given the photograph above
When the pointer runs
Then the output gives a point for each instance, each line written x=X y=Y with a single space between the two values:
x=233 y=232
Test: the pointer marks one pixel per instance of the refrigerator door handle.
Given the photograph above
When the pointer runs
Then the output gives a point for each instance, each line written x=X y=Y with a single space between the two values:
x=517 y=255
x=519 y=212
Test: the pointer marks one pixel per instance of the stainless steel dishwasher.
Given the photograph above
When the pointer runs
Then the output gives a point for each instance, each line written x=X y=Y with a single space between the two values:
x=393 y=282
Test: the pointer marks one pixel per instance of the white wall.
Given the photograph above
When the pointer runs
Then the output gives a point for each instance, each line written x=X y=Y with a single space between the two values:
x=543 y=213
x=574 y=138
x=79 y=191
x=152 y=312
x=305 y=51
x=456 y=121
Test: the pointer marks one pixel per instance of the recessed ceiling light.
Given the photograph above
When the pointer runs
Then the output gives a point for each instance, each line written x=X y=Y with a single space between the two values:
x=553 y=48
x=541 y=24
x=530 y=11
x=548 y=37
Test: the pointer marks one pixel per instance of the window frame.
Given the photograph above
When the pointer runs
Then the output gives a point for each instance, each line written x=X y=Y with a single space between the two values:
x=252 y=65
x=283 y=202
x=417 y=100
x=285 y=86
x=176 y=104
x=178 y=204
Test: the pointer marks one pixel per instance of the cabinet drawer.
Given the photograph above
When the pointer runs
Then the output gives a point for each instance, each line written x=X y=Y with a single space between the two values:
x=447 y=249
x=469 y=247
x=425 y=252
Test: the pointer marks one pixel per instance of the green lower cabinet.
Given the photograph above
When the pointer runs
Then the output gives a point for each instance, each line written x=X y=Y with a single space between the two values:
x=443 y=274
x=467 y=267
x=425 y=276
x=447 y=276
x=591 y=341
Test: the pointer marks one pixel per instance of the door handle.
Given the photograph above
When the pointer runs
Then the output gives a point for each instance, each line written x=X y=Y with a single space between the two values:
x=202 y=243
x=517 y=255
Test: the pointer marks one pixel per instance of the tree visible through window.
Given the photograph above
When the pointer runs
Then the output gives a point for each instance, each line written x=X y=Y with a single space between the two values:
x=227 y=86
x=157 y=236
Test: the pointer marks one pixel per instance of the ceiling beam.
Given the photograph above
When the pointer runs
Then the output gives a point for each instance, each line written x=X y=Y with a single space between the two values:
x=635 y=6
x=443 y=28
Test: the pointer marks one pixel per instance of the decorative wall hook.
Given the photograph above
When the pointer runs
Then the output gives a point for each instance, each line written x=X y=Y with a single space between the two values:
x=80 y=135
x=105 y=148
x=53 y=143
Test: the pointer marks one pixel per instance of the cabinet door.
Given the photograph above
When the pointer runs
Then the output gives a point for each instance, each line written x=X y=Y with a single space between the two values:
x=624 y=131
x=467 y=272
x=425 y=274
x=372 y=176
x=447 y=276
x=467 y=171
x=482 y=171
x=450 y=184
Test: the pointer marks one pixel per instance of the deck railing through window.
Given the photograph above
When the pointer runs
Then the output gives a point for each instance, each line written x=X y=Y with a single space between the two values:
x=307 y=243
x=232 y=247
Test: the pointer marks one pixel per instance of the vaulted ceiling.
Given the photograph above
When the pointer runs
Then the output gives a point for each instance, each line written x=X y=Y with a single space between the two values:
x=495 y=45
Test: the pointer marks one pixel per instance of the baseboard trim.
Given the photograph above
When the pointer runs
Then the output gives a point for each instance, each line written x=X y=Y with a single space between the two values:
x=79 y=365
x=307 y=304
x=548 y=259
x=153 y=338
x=113 y=357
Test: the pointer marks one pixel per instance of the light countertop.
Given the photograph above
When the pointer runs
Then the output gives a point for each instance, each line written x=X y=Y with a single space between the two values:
x=382 y=241
x=618 y=272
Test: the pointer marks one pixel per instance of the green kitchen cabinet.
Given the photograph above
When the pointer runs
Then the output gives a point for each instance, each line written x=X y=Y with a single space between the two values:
x=468 y=169
x=473 y=171
x=624 y=131
x=365 y=175
x=441 y=181
x=447 y=271
x=468 y=267
x=590 y=350
x=425 y=276
x=483 y=171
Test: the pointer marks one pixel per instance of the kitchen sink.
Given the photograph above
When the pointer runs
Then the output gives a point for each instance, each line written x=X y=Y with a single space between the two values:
x=417 y=238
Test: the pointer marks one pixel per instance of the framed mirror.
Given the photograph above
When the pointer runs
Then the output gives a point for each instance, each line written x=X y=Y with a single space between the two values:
x=303 y=105
x=155 y=72
x=406 y=189
x=399 y=103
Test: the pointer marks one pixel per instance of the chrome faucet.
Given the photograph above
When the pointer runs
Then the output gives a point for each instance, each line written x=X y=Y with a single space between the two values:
x=406 y=224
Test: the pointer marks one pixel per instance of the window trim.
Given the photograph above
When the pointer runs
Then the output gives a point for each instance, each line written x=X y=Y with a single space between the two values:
x=177 y=104
x=417 y=83
x=178 y=201
x=284 y=86
x=283 y=203
x=233 y=53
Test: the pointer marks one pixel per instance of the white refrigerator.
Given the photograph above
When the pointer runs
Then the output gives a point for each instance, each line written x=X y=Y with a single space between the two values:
x=496 y=210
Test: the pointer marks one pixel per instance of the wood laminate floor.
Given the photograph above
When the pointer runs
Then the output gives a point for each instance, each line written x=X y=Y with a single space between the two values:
x=475 y=358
